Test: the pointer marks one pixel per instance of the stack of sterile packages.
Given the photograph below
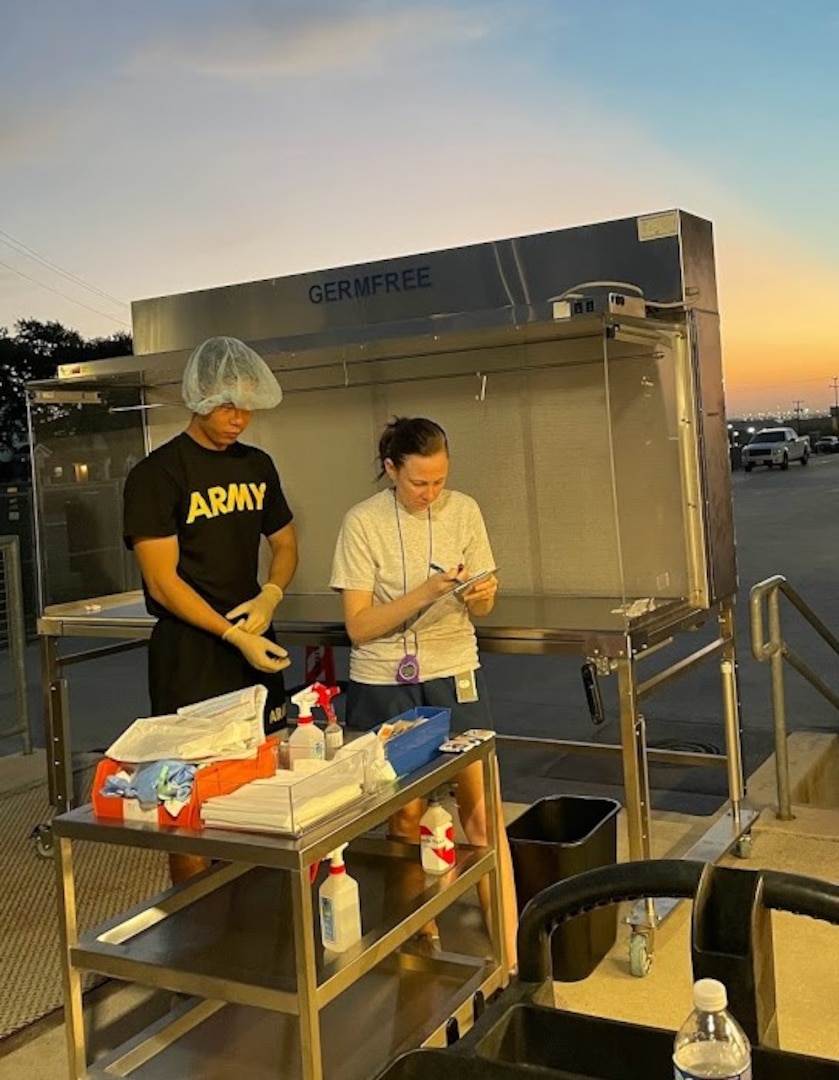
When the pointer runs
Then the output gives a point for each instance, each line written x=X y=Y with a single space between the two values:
x=292 y=799
x=159 y=768
x=295 y=798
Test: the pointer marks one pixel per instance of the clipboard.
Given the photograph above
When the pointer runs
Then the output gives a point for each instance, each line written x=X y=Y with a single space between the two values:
x=426 y=615
x=462 y=586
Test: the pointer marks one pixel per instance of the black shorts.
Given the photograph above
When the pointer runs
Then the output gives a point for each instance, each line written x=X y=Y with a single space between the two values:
x=369 y=705
x=188 y=665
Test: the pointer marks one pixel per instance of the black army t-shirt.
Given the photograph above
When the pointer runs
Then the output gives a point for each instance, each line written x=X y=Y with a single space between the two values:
x=218 y=503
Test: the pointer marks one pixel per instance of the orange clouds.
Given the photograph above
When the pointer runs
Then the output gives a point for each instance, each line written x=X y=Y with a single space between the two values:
x=777 y=302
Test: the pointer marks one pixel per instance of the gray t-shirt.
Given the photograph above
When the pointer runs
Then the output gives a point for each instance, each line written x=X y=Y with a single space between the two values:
x=386 y=550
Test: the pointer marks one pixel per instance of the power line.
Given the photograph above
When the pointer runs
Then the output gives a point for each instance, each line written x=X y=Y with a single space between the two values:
x=24 y=249
x=58 y=292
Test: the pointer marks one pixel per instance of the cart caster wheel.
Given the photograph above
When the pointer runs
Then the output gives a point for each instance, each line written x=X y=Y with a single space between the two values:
x=743 y=847
x=44 y=845
x=640 y=955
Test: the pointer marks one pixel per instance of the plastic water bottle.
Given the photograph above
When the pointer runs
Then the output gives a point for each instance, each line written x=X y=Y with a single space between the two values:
x=437 y=849
x=711 y=1043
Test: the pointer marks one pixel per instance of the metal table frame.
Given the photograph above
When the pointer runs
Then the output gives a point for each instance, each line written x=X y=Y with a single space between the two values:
x=521 y=625
x=108 y=949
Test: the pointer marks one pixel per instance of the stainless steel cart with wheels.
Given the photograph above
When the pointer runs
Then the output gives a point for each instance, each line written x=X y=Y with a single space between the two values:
x=240 y=941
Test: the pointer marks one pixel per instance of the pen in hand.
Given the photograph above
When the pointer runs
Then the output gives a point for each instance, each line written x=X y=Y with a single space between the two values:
x=442 y=569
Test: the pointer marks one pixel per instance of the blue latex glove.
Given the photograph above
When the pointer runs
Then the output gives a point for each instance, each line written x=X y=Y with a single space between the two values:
x=153 y=783
x=176 y=781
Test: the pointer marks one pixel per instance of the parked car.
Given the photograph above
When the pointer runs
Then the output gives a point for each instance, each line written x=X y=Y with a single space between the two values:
x=827 y=444
x=775 y=446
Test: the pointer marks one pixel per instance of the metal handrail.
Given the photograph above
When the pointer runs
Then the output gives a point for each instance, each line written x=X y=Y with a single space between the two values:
x=776 y=651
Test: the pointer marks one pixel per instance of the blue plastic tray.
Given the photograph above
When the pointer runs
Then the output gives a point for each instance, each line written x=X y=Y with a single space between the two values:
x=415 y=748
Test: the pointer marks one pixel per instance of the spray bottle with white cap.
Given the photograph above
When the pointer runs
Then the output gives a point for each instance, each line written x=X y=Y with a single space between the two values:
x=306 y=741
x=340 y=911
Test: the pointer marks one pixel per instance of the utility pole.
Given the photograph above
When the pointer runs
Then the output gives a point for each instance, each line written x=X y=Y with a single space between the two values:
x=834 y=412
x=798 y=403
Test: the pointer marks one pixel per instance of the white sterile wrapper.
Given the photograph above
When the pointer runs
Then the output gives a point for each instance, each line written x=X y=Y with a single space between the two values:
x=218 y=729
x=378 y=771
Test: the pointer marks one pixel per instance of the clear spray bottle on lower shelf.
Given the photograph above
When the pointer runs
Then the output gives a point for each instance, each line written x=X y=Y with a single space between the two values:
x=710 y=1043
x=437 y=849
x=340 y=911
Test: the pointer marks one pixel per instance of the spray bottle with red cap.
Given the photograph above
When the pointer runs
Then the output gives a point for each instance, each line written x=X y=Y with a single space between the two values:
x=437 y=849
x=334 y=734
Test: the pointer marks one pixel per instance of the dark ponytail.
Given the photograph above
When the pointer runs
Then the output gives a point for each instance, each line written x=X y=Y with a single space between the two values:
x=404 y=436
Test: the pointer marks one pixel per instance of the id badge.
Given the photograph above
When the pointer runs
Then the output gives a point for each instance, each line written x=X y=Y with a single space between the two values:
x=466 y=687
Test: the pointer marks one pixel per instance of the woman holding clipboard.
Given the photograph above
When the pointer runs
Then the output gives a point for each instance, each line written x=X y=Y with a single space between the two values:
x=414 y=566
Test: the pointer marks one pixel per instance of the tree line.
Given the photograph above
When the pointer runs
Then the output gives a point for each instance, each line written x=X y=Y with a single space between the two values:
x=30 y=354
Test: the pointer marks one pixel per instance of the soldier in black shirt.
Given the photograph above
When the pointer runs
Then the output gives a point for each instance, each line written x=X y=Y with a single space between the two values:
x=195 y=511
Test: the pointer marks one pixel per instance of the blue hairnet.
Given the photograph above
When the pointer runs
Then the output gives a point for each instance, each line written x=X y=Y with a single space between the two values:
x=226 y=371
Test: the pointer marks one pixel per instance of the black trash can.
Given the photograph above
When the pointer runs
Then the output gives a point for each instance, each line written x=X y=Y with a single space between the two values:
x=555 y=839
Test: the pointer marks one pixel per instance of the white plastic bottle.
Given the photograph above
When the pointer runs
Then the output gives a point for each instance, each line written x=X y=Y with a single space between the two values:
x=334 y=737
x=711 y=1043
x=437 y=849
x=306 y=741
x=334 y=733
x=340 y=911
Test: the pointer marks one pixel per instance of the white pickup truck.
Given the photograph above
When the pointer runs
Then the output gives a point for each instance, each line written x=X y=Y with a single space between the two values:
x=775 y=446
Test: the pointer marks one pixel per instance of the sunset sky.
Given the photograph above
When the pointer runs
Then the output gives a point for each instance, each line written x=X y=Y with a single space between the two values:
x=159 y=147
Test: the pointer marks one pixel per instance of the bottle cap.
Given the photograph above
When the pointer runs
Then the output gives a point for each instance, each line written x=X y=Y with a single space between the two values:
x=709 y=995
x=336 y=860
x=304 y=700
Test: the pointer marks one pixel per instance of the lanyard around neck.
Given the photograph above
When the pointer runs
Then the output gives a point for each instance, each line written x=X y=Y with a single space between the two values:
x=405 y=561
